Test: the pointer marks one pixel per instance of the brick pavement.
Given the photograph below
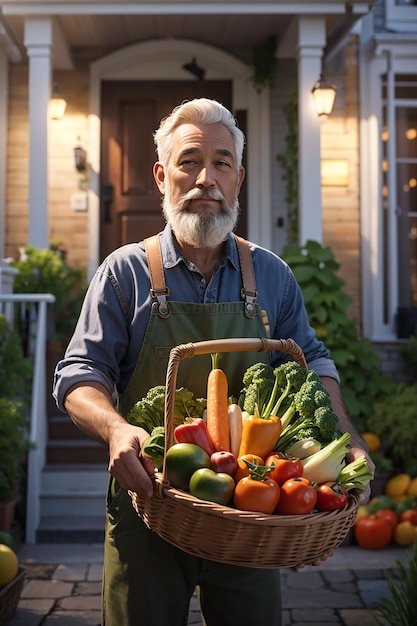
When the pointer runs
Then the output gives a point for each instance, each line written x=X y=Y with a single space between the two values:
x=63 y=587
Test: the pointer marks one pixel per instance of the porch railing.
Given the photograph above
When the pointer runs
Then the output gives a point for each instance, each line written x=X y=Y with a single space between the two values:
x=34 y=309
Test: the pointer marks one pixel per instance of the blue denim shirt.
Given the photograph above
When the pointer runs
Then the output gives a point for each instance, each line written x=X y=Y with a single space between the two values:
x=109 y=334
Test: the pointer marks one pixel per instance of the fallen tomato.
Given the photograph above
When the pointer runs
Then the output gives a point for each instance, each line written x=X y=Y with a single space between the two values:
x=297 y=497
x=285 y=466
x=410 y=515
x=372 y=532
x=331 y=496
x=222 y=461
x=207 y=484
x=390 y=516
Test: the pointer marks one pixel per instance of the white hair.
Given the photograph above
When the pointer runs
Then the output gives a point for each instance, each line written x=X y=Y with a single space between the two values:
x=197 y=111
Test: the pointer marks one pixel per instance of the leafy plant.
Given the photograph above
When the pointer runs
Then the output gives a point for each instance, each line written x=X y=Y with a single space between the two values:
x=14 y=444
x=409 y=354
x=315 y=268
x=264 y=64
x=15 y=368
x=400 y=608
x=394 y=420
x=46 y=271
x=289 y=163
x=15 y=372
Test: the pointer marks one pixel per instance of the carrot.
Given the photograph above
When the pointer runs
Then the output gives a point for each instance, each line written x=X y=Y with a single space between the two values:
x=217 y=406
x=235 y=425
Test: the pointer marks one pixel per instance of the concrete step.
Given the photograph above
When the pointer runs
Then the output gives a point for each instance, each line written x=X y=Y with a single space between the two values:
x=72 y=501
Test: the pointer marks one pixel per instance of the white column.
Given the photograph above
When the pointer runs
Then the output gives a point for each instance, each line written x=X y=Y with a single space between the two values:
x=311 y=41
x=38 y=42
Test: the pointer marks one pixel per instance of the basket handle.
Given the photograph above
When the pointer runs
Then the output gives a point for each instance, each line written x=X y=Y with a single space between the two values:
x=188 y=350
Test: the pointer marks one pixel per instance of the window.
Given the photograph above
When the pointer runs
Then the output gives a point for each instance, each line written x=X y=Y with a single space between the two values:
x=401 y=15
x=399 y=188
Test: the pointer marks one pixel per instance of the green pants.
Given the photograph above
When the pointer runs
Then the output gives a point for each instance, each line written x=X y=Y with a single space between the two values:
x=148 y=582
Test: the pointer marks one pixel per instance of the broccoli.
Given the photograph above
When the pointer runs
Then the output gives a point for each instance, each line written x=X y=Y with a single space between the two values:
x=149 y=412
x=258 y=382
x=309 y=416
x=289 y=377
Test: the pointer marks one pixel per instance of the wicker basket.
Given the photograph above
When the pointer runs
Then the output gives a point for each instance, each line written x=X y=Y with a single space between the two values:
x=9 y=596
x=225 y=534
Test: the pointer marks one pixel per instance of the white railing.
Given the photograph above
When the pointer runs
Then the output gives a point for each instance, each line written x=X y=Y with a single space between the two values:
x=35 y=307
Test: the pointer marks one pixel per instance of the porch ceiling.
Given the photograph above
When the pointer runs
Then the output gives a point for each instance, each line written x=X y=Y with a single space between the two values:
x=95 y=28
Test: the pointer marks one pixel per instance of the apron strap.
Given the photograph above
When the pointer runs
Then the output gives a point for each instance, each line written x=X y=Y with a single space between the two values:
x=160 y=291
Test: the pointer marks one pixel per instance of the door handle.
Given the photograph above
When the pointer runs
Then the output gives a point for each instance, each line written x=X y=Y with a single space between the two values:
x=107 y=197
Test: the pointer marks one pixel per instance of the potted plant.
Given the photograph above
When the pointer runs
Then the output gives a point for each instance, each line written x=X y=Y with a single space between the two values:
x=15 y=372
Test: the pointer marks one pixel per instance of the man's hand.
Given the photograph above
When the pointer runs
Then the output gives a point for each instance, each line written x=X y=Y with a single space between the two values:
x=129 y=467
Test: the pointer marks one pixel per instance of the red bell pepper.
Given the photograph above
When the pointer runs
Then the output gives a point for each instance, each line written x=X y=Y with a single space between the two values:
x=194 y=430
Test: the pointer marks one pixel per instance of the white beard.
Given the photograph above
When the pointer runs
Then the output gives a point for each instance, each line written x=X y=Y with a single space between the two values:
x=203 y=229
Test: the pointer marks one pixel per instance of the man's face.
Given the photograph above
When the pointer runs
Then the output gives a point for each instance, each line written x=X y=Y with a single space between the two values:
x=201 y=184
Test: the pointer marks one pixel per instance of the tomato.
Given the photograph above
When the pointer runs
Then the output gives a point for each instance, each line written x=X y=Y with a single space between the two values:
x=223 y=461
x=256 y=495
x=182 y=460
x=405 y=534
x=207 y=484
x=410 y=515
x=286 y=466
x=331 y=496
x=373 y=533
x=242 y=468
x=298 y=497
x=390 y=516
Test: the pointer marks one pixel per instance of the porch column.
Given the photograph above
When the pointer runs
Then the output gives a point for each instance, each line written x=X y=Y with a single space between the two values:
x=311 y=42
x=38 y=42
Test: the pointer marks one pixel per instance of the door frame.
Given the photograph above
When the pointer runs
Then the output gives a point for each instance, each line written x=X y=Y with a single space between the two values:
x=163 y=60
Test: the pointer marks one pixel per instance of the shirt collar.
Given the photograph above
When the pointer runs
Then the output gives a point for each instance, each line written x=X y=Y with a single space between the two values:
x=172 y=256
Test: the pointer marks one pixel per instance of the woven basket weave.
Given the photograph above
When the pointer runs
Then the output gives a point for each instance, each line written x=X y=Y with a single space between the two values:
x=10 y=595
x=228 y=535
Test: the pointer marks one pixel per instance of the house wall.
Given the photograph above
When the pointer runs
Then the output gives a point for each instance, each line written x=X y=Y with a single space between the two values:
x=340 y=204
x=66 y=226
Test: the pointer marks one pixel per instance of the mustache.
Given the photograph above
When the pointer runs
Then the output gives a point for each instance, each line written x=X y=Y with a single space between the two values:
x=203 y=194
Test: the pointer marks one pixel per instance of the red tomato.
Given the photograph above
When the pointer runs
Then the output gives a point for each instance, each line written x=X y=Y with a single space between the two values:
x=298 y=497
x=372 y=532
x=390 y=516
x=410 y=515
x=242 y=468
x=286 y=466
x=331 y=496
x=256 y=495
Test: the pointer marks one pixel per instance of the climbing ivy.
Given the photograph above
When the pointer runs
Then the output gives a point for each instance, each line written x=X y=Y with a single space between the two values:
x=289 y=163
x=264 y=64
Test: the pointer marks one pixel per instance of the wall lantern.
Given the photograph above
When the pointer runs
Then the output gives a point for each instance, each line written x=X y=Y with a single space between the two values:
x=80 y=156
x=194 y=69
x=324 y=94
x=57 y=104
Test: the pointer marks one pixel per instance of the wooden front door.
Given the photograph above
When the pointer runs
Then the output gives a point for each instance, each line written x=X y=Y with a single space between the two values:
x=130 y=203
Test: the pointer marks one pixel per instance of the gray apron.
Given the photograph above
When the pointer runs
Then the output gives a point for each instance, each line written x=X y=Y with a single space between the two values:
x=147 y=581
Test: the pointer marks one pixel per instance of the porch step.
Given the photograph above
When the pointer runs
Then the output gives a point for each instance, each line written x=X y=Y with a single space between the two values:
x=67 y=444
x=72 y=503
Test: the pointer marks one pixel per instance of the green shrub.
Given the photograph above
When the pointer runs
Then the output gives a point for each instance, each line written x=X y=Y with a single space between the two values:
x=362 y=382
